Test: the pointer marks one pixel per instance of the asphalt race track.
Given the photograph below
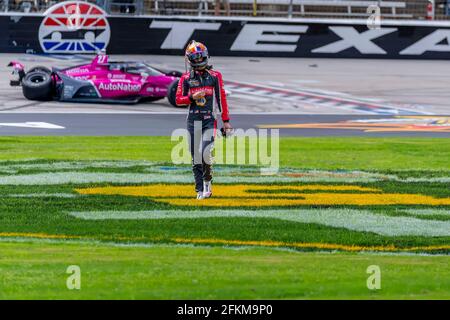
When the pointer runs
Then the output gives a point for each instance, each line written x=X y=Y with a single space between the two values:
x=302 y=97
x=165 y=124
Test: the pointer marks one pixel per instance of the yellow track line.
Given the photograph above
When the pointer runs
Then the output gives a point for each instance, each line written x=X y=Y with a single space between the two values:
x=37 y=235
x=312 y=245
x=303 y=245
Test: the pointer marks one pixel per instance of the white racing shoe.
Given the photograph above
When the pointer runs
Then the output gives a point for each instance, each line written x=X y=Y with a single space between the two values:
x=207 y=189
x=200 y=195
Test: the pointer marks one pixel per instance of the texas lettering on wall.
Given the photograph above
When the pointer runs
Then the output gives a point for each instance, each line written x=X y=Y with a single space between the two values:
x=302 y=39
x=236 y=37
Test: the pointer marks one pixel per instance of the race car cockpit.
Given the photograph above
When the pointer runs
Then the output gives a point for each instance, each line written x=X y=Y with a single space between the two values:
x=138 y=68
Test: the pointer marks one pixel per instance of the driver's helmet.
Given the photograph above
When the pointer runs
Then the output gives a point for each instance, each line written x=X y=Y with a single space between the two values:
x=197 y=55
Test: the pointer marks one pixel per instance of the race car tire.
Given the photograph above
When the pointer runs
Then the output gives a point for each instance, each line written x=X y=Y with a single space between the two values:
x=40 y=68
x=37 y=85
x=171 y=94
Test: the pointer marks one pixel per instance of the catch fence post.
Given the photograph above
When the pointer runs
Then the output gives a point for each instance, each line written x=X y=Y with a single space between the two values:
x=430 y=10
x=290 y=8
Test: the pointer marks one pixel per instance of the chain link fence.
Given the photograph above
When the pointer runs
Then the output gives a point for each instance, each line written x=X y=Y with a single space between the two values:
x=390 y=9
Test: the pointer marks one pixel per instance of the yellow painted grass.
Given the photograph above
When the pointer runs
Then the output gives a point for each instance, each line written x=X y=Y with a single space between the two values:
x=225 y=242
x=235 y=191
x=259 y=196
x=316 y=199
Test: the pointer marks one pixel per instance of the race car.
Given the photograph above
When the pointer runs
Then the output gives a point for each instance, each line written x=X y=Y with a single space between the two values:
x=100 y=81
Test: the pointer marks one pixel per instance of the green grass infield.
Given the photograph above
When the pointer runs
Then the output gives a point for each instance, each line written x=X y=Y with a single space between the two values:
x=121 y=211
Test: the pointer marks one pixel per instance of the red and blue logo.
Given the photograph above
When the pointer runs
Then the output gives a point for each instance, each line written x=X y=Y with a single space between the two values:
x=74 y=27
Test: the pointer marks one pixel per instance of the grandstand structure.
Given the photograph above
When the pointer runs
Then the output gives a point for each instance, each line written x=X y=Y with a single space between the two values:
x=389 y=9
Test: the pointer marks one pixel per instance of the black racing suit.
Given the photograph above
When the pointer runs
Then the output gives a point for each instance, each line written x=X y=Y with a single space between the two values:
x=201 y=120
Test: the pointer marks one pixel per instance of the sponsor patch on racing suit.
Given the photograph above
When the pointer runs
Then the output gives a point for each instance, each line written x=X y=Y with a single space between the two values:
x=201 y=120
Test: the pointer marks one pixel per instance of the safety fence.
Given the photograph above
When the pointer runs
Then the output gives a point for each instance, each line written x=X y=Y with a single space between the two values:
x=389 y=9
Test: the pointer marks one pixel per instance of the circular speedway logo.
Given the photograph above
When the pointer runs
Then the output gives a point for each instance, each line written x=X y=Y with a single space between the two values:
x=74 y=27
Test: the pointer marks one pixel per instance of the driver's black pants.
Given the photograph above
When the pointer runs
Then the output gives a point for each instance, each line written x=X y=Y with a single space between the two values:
x=201 y=143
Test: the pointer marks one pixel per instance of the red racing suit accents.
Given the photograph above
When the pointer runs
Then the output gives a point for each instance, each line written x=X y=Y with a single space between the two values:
x=211 y=82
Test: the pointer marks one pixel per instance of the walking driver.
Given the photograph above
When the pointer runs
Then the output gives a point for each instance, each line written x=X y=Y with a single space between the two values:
x=202 y=90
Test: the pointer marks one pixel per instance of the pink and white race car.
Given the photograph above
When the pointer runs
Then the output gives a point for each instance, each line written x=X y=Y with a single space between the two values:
x=100 y=81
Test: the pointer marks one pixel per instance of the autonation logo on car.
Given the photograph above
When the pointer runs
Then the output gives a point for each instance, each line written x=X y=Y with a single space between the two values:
x=74 y=27
x=119 y=86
